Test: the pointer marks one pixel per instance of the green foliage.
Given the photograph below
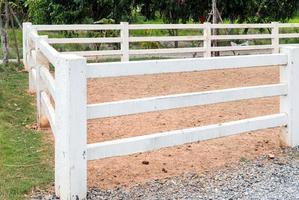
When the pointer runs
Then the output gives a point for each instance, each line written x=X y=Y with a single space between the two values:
x=254 y=11
x=77 y=11
x=258 y=11
x=57 y=12
x=171 y=11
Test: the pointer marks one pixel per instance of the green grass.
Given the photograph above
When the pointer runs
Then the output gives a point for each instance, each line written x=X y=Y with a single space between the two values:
x=11 y=42
x=25 y=157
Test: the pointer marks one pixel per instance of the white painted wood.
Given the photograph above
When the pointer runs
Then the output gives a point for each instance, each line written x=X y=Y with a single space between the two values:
x=77 y=27
x=83 y=27
x=114 y=69
x=165 y=38
x=48 y=81
x=49 y=52
x=95 y=53
x=34 y=35
x=71 y=142
x=275 y=37
x=242 y=48
x=206 y=51
x=31 y=60
x=26 y=29
x=48 y=109
x=166 y=51
x=207 y=42
x=144 y=143
x=243 y=26
x=124 y=34
x=84 y=40
x=290 y=104
x=241 y=37
x=289 y=35
x=40 y=62
x=288 y=25
x=33 y=78
x=165 y=26
x=150 y=104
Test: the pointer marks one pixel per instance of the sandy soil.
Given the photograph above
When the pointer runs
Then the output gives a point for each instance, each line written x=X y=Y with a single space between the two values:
x=197 y=157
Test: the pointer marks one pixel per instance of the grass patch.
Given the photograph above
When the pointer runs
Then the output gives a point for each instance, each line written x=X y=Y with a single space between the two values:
x=25 y=158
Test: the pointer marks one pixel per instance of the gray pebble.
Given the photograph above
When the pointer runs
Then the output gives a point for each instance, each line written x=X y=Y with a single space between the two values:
x=263 y=178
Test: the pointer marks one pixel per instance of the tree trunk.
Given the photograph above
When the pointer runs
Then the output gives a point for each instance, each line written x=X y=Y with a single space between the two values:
x=215 y=21
x=15 y=37
x=6 y=10
x=4 y=40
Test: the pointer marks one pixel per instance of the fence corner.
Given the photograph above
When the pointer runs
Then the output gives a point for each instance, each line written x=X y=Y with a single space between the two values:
x=71 y=123
x=289 y=104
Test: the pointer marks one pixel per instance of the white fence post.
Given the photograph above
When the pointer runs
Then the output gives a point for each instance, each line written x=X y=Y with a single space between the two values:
x=41 y=61
x=124 y=34
x=26 y=26
x=31 y=59
x=207 y=39
x=275 y=37
x=71 y=130
x=290 y=104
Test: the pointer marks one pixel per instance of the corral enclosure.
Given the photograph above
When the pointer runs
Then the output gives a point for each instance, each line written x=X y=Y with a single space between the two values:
x=190 y=94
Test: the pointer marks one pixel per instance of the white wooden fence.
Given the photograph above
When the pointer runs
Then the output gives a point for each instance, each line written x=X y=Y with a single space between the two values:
x=125 y=38
x=63 y=101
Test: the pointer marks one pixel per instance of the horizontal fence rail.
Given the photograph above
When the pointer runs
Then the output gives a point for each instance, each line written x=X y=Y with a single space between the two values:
x=95 y=53
x=150 y=142
x=49 y=110
x=61 y=96
x=241 y=37
x=48 y=80
x=114 y=69
x=151 y=104
x=165 y=38
x=83 y=40
x=76 y=27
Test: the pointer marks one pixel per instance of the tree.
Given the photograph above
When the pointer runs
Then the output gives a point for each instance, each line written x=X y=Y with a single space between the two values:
x=77 y=11
x=258 y=11
x=171 y=11
x=254 y=11
x=4 y=37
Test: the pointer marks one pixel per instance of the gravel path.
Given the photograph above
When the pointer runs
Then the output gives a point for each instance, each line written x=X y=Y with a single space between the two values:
x=264 y=178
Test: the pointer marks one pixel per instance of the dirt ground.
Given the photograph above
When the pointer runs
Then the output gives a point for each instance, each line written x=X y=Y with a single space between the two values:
x=196 y=157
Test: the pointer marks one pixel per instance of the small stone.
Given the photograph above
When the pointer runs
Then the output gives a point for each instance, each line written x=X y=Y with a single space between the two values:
x=44 y=122
x=31 y=92
x=271 y=156
x=164 y=170
x=145 y=162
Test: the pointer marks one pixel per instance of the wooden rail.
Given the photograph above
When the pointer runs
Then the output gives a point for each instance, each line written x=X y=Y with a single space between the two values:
x=154 y=141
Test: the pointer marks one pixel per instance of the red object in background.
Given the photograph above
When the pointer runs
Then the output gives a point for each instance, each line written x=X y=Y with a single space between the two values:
x=202 y=19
